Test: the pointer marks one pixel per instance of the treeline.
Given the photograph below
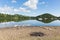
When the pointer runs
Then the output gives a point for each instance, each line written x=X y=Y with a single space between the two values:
x=46 y=15
x=16 y=17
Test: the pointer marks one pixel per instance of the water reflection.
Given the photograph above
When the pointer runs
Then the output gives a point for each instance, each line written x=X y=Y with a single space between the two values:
x=14 y=23
x=46 y=20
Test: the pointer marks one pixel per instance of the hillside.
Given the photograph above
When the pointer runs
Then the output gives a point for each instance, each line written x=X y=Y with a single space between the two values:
x=46 y=15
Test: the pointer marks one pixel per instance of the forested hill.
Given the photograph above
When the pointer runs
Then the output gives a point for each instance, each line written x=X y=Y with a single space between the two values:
x=46 y=15
x=16 y=16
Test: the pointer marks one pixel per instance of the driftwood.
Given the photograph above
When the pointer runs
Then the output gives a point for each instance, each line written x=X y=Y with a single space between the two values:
x=37 y=34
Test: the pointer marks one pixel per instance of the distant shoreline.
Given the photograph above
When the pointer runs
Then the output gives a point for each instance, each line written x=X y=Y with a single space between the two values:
x=31 y=26
x=28 y=26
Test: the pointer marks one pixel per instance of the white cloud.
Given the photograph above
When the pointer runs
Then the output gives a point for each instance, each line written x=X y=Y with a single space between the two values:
x=21 y=10
x=14 y=1
x=11 y=10
x=24 y=10
x=31 y=4
x=6 y=9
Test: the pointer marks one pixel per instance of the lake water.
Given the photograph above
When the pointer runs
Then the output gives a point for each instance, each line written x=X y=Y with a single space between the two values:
x=29 y=23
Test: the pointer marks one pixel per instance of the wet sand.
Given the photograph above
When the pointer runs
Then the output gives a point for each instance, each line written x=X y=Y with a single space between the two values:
x=23 y=33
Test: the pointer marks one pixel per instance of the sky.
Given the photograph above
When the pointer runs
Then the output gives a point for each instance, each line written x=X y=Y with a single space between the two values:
x=30 y=7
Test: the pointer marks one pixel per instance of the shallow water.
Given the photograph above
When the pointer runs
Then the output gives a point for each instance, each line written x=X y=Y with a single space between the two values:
x=29 y=23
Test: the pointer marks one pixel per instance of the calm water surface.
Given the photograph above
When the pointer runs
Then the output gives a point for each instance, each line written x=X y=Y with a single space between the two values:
x=29 y=23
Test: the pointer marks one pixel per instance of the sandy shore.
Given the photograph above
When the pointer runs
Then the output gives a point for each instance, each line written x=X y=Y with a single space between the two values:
x=23 y=33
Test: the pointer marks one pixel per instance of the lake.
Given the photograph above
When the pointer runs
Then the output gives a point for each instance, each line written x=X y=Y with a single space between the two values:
x=29 y=23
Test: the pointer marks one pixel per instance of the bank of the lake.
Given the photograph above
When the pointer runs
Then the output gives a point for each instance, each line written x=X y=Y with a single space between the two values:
x=23 y=33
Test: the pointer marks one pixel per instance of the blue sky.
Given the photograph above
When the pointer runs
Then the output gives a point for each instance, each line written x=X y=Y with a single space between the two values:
x=30 y=7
